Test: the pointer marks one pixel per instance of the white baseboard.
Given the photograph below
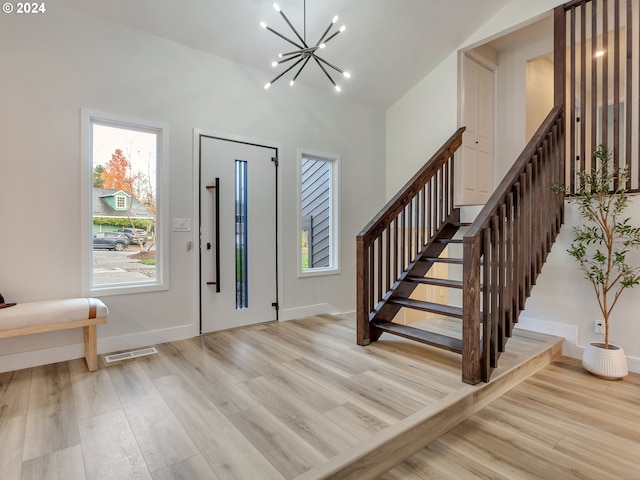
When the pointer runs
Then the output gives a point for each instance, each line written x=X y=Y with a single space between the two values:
x=634 y=364
x=42 y=356
x=62 y=353
x=308 y=311
x=570 y=346
x=144 y=339
x=568 y=332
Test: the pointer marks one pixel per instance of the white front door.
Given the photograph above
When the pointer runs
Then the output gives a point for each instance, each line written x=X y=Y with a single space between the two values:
x=238 y=274
x=474 y=182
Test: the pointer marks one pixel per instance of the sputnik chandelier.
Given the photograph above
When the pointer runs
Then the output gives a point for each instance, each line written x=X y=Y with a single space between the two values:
x=304 y=52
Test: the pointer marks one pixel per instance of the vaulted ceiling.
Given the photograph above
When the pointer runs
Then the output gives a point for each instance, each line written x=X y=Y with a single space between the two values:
x=388 y=46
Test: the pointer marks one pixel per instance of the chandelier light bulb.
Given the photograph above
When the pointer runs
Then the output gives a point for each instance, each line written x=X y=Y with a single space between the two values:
x=346 y=74
x=337 y=88
x=334 y=19
x=275 y=5
x=274 y=64
x=322 y=45
x=267 y=85
x=291 y=83
x=343 y=28
x=263 y=25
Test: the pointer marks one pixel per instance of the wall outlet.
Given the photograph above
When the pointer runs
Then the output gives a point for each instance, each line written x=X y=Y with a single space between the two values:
x=598 y=326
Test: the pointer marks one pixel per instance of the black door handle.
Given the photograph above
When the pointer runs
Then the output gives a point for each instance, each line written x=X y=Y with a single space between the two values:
x=216 y=189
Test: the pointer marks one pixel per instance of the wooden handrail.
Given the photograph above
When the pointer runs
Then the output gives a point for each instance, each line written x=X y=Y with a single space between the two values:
x=419 y=180
x=505 y=247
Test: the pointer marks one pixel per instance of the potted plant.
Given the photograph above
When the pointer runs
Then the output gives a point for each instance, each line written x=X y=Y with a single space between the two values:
x=600 y=245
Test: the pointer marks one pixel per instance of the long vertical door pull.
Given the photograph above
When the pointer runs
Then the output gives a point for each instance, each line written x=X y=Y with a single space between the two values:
x=216 y=219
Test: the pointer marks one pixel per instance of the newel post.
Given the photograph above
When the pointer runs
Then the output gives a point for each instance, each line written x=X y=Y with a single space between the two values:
x=471 y=349
x=362 y=293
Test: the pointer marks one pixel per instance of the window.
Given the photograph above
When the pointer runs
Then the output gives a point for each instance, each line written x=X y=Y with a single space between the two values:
x=121 y=202
x=242 y=240
x=318 y=206
x=125 y=237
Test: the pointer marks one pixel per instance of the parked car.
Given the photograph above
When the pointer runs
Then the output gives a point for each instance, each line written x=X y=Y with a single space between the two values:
x=135 y=235
x=110 y=240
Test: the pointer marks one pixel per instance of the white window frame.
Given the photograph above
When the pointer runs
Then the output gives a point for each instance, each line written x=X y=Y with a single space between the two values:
x=334 y=267
x=124 y=202
x=161 y=282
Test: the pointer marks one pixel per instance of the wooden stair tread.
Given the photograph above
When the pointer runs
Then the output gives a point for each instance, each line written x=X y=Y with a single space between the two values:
x=439 y=282
x=448 y=310
x=449 y=240
x=422 y=336
x=454 y=261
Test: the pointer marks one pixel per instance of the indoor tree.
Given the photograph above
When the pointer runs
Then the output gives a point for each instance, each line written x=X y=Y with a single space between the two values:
x=605 y=238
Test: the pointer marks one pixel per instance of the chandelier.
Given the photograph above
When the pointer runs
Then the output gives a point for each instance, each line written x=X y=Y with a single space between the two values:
x=304 y=52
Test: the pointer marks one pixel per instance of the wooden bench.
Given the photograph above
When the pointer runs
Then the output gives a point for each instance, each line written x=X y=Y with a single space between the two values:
x=48 y=316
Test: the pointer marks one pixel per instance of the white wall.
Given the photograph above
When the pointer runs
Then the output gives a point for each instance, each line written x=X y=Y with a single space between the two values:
x=425 y=117
x=513 y=55
x=539 y=93
x=420 y=122
x=55 y=64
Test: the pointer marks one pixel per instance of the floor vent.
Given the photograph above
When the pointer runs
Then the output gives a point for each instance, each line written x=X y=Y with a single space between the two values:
x=133 y=354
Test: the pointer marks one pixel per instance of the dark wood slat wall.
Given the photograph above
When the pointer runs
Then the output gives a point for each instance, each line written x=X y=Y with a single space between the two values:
x=583 y=86
x=572 y=96
x=602 y=90
x=616 y=82
x=629 y=92
x=594 y=81
x=507 y=245
x=604 y=137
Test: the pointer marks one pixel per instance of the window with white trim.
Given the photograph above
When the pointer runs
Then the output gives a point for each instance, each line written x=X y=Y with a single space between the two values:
x=121 y=202
x=318 y=237
x=125 y=196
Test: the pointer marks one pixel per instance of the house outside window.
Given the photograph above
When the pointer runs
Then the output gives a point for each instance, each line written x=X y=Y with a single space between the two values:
x=125 y=188
x=318 y=214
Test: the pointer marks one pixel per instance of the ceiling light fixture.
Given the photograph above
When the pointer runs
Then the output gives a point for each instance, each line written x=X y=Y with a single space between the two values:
x=304 y=52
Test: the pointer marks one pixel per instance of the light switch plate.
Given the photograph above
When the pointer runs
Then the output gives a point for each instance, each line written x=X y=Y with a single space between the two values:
x=181 y=224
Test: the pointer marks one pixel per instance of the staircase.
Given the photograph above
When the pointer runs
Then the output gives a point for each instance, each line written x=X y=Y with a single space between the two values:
x=415 y=276
x=503 y=251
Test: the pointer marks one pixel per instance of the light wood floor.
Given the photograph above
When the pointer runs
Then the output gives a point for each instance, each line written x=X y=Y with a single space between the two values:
x=562 y=423
x=274 y=401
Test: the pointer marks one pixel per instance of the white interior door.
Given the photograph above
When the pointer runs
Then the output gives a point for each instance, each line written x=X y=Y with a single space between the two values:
x=474 y=183
x=238 y=274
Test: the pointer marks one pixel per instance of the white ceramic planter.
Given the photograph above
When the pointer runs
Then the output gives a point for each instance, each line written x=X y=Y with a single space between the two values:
x=608 y=363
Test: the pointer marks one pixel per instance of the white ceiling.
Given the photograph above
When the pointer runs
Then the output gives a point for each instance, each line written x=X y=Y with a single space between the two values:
x=388 y=47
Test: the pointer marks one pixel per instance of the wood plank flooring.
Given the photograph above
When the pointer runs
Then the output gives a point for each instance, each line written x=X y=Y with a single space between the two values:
x=274 y=401
x=561 y=423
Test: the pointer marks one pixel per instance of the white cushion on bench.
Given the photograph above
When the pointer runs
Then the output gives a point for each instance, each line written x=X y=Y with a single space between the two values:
x=48 y=312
